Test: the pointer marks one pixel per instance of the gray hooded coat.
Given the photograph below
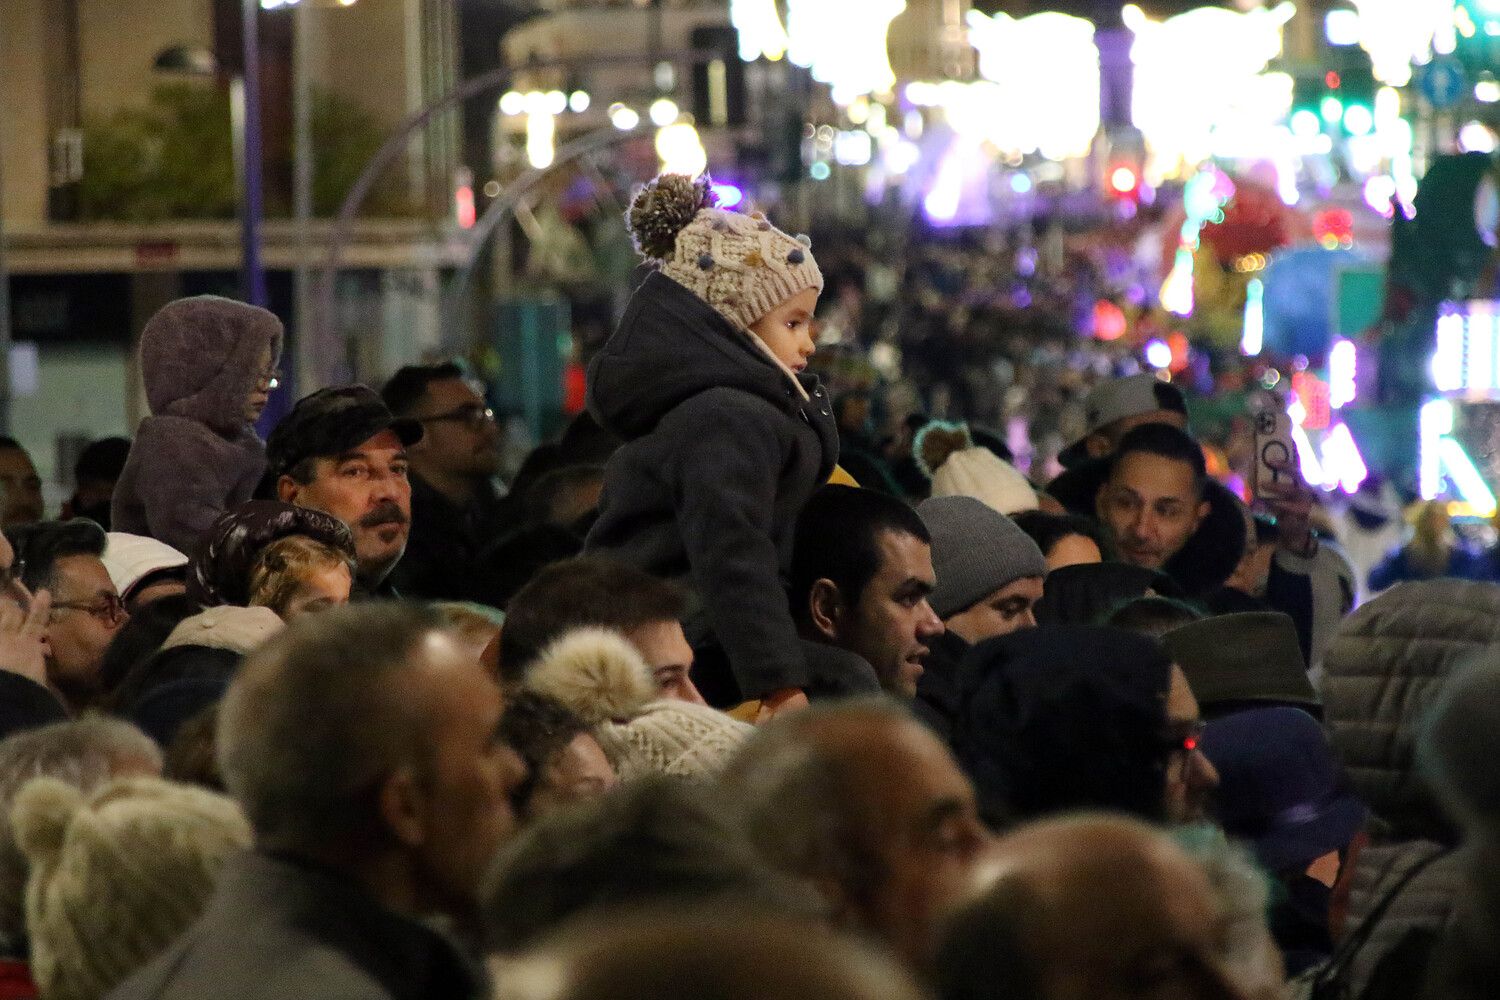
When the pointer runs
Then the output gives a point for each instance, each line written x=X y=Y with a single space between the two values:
x=196 y=455
x=721 y=454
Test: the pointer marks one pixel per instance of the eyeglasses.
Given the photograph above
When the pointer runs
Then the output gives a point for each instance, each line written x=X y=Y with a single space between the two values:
x=470 y=415
x=109 y=608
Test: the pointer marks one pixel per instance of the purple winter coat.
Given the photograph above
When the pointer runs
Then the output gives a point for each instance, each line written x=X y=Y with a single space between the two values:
x=196 y=455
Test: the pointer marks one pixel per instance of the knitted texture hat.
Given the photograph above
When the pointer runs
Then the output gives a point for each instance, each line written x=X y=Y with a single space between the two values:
x=116 y=876
x=602 y=678
x=976 y=550
x=740 y=264
x=957 y=467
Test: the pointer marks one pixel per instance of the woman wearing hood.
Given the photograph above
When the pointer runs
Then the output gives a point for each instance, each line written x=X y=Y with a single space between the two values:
x=209 y=367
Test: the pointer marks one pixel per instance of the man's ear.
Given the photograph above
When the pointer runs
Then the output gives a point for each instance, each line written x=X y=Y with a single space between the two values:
x=825 y=608
x=1203 y=508
x=402 y=807
x=287 y=489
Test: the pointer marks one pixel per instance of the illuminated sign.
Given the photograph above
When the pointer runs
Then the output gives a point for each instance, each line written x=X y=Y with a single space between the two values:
x=1046 y=71
x=1444 y=463
x=1468 y=349
x=759 y=25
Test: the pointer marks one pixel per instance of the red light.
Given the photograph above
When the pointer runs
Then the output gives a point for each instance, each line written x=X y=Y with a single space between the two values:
x=1109 y=320
x=1333 y=80
x=1190 y=744
x=463 y=206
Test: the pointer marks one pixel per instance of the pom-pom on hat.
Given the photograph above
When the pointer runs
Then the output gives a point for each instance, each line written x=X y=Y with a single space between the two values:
x=740 y=264
x=601 y=677
x=118 y=875
x=958 y=467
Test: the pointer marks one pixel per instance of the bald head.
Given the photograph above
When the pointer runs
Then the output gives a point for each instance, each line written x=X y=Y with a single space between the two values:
x=864 y=803
x=1086 y=907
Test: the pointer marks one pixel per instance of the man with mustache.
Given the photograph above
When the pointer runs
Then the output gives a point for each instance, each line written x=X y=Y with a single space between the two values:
x=342 y=451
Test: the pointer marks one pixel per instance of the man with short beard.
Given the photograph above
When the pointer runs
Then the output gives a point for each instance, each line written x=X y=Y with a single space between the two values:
x=342 y=451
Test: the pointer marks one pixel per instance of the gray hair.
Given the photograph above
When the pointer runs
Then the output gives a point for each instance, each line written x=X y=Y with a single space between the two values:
x=316 y=718
x=85 y=753
x=798 y=794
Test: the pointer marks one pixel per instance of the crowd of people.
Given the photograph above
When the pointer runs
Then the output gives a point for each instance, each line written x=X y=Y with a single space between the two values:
x=723 y=695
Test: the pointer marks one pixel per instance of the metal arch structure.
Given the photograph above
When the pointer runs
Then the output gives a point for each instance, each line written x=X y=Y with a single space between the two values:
x=456 y=311
x=325 y=323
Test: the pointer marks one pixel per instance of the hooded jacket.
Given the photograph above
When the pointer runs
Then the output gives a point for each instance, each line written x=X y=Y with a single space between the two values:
x=1061 y=718
x=220 y=571
x=1211 y=553
x=721 y=452
x=196 y=455
x=1382 y=675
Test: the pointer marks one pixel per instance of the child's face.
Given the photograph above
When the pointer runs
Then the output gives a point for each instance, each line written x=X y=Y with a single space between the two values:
x=787 y=329
x=260 y=392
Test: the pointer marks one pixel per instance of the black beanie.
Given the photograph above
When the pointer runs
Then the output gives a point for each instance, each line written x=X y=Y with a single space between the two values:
x=1062 y=718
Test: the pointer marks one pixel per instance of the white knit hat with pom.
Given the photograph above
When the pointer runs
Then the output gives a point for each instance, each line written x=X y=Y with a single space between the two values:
x=116 y=876
x=959 y=468
x=602 y=678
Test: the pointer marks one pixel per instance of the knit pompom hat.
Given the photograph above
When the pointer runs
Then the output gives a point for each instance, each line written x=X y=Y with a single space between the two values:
x=116 y=876
x=959 y=468
x=597 y=674
x=740 y=264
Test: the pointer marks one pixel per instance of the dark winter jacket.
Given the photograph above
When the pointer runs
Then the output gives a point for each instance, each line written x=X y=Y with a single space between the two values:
x=25 y=704
x=1210 y=555
x=441 y=562
x=721 y=453
x=196 y=455
x=1381 y=676
x=277 y=928
x=1060 y=718
x=937 y=701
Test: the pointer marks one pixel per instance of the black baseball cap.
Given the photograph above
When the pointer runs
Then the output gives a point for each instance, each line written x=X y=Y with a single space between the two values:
x=332 y=421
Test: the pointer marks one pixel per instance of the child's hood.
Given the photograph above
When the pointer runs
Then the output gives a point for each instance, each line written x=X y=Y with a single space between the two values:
x=200 y=359
x=671 y=346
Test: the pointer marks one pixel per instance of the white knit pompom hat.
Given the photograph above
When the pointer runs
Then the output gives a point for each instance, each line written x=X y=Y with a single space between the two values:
x=602 y=678
x=959 y=468
x=117 y=875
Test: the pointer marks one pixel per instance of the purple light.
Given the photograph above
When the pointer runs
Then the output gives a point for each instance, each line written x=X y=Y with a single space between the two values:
x=729 y=195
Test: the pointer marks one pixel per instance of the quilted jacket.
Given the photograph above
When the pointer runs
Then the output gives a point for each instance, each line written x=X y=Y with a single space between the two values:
x=1382 y=673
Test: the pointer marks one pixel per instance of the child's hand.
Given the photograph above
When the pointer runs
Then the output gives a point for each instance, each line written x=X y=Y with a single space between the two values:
x=777 y=702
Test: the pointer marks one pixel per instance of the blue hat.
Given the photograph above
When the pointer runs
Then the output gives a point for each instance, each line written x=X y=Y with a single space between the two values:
x=1280 y=788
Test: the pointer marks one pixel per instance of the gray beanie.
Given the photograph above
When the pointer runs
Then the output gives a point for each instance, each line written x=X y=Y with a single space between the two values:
x=976 y=550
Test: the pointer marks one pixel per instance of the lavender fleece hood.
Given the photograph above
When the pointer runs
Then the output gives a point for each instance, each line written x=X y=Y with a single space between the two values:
x=196 y=455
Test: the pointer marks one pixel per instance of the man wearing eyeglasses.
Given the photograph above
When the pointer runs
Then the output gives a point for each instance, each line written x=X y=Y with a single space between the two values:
x=453 y=496
x=64 y=558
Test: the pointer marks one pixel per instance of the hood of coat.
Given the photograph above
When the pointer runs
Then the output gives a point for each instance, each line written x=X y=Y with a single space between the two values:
x=220 y=570
x=201 y=356
x=1061 y=718
x=671 y=346
x=1210 y=555
x=1382 y=675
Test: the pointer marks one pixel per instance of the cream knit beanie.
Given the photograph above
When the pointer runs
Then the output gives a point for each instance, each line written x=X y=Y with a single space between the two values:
x=602 y=678
x=116 y=876
x=740 y=264
x=959 y=468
